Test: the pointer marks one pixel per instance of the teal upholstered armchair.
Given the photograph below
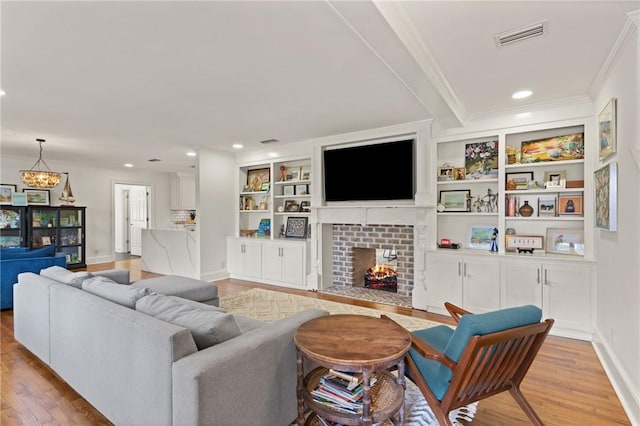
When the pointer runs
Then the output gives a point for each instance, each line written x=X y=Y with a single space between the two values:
x=484 y=355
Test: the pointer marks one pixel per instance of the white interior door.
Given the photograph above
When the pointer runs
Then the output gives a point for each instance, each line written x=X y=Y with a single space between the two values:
x=138 y=216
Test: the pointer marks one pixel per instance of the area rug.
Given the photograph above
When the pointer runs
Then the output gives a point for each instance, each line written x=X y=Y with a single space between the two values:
x=266 y=305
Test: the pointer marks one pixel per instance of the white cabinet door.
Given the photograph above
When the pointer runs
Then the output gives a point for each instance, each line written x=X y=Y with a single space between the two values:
x=481 y=284
x=271 y=262
x=252 y=258
x=293 y=265
x=235 y=256
x=567 y=296
x=244 y=257
x=444 y=281
x=283 y=262
x=187 y=188
x=521 y=283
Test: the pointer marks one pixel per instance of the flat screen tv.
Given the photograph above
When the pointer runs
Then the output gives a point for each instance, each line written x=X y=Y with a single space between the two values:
x=376 y=172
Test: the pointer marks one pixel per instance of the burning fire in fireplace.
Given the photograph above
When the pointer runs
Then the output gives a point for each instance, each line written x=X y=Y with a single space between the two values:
x=381 y=277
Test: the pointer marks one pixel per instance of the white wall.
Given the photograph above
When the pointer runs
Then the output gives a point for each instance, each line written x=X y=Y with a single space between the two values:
x=618 y=253
x=216 y=203
x=93 y=187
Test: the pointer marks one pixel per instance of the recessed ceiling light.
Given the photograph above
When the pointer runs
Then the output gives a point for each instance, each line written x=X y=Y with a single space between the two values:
x=2 y=92
x=128 y=165
x=523 y=114
x=237 y=146
x=191 y=154
x=273 y=154
x=522 y=94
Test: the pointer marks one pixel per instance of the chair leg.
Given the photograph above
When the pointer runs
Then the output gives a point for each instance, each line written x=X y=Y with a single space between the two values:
x=434 y=404
x=517 y=394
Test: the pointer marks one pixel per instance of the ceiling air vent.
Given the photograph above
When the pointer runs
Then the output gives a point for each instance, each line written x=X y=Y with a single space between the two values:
x=521 y=34
x=154 y=160
x=267 y=141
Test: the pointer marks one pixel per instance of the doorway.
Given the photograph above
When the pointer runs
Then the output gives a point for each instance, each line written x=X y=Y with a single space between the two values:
x=131 y=216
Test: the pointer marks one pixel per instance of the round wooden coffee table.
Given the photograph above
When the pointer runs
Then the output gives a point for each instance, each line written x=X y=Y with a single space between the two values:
x=355 y=344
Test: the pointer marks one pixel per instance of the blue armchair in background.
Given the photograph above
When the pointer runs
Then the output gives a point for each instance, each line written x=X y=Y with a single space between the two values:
x=14 y=261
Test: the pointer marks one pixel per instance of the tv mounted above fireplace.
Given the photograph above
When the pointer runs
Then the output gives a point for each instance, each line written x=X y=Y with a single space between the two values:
x=374 y=172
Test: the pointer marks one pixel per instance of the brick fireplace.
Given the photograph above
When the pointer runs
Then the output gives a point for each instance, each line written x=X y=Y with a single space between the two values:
x=349 y=238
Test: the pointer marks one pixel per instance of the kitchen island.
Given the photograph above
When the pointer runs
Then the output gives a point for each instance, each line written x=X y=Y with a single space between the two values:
x=170 y=252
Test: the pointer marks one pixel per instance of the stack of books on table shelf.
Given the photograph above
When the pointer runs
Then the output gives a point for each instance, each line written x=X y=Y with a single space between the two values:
x=341 y=391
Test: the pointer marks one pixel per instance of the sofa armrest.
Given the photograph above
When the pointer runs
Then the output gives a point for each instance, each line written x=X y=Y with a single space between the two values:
x=118 y=275
x=257 y=370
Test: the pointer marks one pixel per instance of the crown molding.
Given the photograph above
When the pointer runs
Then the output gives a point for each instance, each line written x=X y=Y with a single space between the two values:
x=630 y=27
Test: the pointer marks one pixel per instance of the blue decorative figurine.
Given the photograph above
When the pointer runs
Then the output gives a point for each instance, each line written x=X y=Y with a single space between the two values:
x=494 y=240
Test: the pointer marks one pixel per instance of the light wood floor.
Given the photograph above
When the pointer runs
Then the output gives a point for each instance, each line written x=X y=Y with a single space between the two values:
x=566 y=384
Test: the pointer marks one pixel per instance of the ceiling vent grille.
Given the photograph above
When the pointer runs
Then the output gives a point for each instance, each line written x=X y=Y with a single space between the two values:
x=267 y=141
x=520 y=34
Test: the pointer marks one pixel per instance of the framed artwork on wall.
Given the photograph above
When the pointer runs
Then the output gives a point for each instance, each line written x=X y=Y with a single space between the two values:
x=607 y=130
x=606 y=197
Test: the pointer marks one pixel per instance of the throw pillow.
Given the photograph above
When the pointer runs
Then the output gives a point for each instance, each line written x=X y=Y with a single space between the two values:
x=48 y=251
x=208 y=327
x=122 y=294
x=65 y=276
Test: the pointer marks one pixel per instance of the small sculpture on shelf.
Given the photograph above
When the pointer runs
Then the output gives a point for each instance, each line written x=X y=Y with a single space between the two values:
x=494 y=240
x=490 y=201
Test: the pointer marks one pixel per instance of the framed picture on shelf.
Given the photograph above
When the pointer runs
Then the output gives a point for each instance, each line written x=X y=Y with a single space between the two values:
x=555 y=179
x=305 y=206
x=607 y=130
x=46 y=241
x=256 y=177
x=37 y=197
x=480 y=236
x=301 y=190
x=519 y=180
x=456 y=200
x=265 y=186
x=565 y=241
x=291 y=206
x=606 y=188
x=292 y=173
x=264 y=228
x=305 y=173
x=481 y=160
x=547 y=206
x=445 y=173
x=570 y=204
x=459 y=173
x=6 y=193
x=557 y=148
x=289 y=190
x=296 y=227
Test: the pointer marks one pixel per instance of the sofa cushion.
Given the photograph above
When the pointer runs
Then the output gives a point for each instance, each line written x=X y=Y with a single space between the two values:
x=207 y=326
x=65 y=276
x=185 y=287
x=48 y=251
x=121 y=294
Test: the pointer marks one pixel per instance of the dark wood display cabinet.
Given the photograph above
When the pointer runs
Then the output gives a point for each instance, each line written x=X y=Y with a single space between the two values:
x=63 y=226
x=13 y=230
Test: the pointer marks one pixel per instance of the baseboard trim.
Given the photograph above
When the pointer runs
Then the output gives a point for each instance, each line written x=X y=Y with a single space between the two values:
x=623 y=386
x=214 y=276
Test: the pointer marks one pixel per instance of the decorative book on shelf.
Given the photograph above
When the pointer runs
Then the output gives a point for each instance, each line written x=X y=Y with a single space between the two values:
x=341 y=391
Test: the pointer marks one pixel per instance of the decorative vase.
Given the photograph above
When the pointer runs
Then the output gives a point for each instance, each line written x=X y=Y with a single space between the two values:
x=525 y=210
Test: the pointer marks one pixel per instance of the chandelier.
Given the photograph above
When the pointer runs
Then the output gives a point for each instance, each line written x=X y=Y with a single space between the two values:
x=36 y=178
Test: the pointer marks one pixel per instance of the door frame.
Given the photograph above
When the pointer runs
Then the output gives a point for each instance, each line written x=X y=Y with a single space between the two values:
x=114 y=213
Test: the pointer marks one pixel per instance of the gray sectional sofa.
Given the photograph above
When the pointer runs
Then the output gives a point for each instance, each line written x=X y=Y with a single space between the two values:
x=137 y=369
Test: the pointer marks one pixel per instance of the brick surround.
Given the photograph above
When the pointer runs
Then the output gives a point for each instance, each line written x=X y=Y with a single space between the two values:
x=398 y=237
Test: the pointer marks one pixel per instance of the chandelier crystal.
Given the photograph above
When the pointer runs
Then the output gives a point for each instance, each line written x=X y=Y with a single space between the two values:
x=37 y=178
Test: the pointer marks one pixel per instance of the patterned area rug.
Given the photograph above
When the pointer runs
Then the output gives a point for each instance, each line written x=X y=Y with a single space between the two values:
x=267 y=305
x=371 y=295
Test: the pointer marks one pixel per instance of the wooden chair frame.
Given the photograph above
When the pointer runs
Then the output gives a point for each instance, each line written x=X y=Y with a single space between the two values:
x=490 y=364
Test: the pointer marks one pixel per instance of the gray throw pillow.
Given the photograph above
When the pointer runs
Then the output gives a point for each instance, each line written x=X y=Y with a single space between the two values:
x=207 y=326
x=65 y=276
x=121 y=294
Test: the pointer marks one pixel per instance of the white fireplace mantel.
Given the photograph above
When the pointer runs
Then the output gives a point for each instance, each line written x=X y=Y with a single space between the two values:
x=323 y=218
